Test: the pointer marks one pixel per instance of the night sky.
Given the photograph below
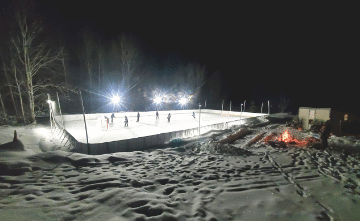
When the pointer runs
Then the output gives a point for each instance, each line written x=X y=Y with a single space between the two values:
x=311 y=53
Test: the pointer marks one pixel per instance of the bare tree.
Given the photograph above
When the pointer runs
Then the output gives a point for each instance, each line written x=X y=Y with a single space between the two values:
x=195 y=78
x=283 y=103
x=34 y=56
x=3 y=108
x=128 y=53
x=9 y=84
x=89 y=43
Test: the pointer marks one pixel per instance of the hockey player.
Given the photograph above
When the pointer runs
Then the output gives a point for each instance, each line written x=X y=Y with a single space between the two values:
x=194 y=115
x=112 y=118
x=169 y=116
x=138 y=117
x=126 y=121
x=157 y=115
x=107 y=119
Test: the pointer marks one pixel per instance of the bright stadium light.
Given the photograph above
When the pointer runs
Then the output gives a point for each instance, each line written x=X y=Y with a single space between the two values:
x=157 y=100
x=115 y=99
x=183 y=101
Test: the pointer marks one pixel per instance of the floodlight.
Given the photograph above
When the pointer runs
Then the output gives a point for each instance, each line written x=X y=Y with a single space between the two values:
x=183 y=101
x=115 y=99
x=157 y=100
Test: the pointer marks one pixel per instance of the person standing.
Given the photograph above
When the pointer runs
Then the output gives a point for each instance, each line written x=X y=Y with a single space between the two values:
x=107 y=119
x=138 y=117
x=169 y=116
x=194 y=115
x=112 y=118
x=325 y=135
x=126 y=121
x=157 y=115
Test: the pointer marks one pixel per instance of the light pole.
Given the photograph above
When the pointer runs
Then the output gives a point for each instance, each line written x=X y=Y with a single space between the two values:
x=50 y=112
x=244 y=105
x=199 y=116
x=230 y=105
x=262 y=106
x=83 y=109
x=222 y=106
x=241 y=113
x=268 y=107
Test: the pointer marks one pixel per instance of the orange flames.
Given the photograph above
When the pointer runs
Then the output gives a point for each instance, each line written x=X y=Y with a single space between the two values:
x=286 y=137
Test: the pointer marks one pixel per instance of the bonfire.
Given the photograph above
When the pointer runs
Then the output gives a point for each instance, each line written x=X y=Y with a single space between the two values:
x=287 y=139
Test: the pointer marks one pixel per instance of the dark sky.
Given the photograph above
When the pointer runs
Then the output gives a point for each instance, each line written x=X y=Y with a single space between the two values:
x=309 y=52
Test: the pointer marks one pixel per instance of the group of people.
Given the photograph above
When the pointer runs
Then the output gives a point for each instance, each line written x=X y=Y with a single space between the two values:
x=138 y=118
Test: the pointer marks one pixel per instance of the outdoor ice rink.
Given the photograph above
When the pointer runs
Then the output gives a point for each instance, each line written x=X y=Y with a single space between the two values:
x=148 y=125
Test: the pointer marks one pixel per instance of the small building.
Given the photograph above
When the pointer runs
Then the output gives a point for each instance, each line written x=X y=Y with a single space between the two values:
x=341 y=122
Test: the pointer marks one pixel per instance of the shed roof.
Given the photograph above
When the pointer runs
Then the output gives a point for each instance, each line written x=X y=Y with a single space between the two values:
x=315 y=108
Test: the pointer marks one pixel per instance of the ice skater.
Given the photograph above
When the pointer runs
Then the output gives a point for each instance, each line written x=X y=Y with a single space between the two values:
x=138 y=117
x=194 y=115
x=126 y=121
x=169 y=116
x=157 y=115
x=107 y=119
x=112 y=118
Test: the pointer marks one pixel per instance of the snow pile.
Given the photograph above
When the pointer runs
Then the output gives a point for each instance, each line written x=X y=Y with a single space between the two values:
x=346 y=143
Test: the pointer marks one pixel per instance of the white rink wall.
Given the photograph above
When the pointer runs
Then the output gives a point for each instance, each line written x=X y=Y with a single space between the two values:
x=142 y=143
x=79 y=117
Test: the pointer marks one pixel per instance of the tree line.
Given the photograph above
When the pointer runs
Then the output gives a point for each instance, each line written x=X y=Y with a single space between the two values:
x=32 y=66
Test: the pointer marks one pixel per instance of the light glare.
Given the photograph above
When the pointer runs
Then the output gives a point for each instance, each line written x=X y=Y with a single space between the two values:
x=157 y=100
x=183 y=101
x=115 y=99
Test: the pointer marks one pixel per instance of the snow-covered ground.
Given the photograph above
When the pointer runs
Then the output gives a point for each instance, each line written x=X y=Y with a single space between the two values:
x=201 y=180
x=147 y=125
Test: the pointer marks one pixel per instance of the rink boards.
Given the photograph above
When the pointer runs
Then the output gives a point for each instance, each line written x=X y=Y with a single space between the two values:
x=144 y=134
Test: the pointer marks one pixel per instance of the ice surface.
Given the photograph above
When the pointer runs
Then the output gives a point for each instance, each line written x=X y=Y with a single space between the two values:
x=148 y=125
